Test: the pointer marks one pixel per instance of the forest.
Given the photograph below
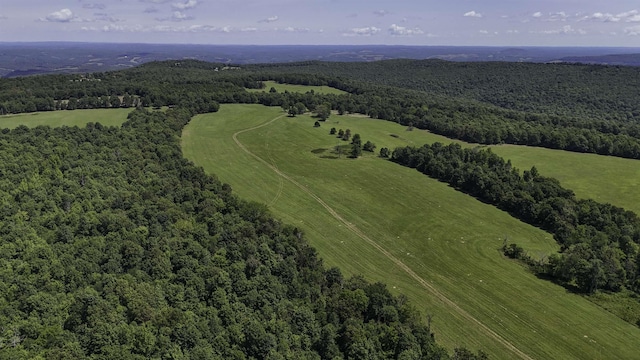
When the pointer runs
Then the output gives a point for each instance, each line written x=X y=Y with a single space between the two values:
x=581 y=108
x=116 y=247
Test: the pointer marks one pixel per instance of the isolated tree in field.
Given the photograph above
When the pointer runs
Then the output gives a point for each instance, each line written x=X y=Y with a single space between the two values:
x=369 y=146
x=273 y=90
x=356 y=139
x=347 y=135
x=316 y=124
x=384 y=152
x=340 y=133
x=356 y=146
x=332 y=131
x=292 y=111
x=323 y=111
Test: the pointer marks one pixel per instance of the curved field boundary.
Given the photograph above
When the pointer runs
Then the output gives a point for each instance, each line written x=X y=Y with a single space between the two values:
x=488 y=331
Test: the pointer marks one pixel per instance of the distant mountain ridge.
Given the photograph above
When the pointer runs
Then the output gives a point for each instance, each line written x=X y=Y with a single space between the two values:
x=611 y=59
x=21 y=59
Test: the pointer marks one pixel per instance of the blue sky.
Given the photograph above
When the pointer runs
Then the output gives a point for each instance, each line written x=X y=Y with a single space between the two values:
x=268 y=22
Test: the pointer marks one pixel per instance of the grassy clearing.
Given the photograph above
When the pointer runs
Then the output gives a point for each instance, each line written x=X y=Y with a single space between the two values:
x=602 y=178
x=446 y=238
x=106 y=117
x=298 y=88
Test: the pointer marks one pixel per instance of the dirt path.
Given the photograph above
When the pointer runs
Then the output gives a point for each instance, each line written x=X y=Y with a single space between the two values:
x=378 y=247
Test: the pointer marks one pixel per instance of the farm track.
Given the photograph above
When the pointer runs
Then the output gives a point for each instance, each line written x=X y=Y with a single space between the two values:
x=353 y=228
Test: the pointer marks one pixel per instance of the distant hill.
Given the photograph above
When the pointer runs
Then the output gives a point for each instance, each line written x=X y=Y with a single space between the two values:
x=21 y=59
x=613 y=59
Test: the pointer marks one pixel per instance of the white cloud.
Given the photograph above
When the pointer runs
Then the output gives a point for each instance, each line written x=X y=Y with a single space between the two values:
x=269 y=19
x=633 y=30
x=166 y=28
x=537 y=14
x=365 y=31
x=604 y=17
x=381 y=12
x=630 y=16
x=627 y=16
x=105 y=17
x=94 y=6
x=64 y=15
x=473 y=13
x=513 y=31
x=150 y=10
x=294 y=29
x=484 y=32
x=565 y=30
x=180 y=16
x=403 y=31
x=190 y=4
x=558 y=16
x=176 y=16
x=156 y=1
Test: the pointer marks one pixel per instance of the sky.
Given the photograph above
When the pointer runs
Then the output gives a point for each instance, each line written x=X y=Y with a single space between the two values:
x=326 y=22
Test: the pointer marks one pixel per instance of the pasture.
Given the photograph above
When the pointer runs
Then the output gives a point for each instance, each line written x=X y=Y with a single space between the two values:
x=106 y=117
x=392 y=224
x=297 y=88
x=605 y=179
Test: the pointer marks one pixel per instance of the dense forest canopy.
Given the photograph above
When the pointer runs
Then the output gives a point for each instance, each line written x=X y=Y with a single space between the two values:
x=582 y=108
x=116 y=247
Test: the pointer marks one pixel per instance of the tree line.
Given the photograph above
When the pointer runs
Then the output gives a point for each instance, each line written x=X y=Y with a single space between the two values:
x=468 y=113
x=599 y=242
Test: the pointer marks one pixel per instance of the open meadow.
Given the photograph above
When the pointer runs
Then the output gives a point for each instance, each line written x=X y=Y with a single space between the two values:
x=106 y=117
x=297 y=88
x=392 y=224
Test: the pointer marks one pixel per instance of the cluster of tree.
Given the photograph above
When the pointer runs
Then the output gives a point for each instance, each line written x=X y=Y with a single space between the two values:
x=116 y=247
x=565 y=90
x=442 y=98
x=600 y=242
x=545 y=105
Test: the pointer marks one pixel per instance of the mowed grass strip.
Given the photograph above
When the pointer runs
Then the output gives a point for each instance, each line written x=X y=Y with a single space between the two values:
x=80 y=118
x=298 y=88
x=449 y=239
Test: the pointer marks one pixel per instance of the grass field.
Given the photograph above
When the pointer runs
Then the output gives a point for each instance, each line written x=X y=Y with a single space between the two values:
x=392 y=224
x=107 y=117
x=602 y=178
x=297 y=88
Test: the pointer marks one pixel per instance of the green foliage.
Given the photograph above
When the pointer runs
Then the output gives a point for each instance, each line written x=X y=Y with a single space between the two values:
x=385 y=201
x=600 y=241
x=369 y=146
x=114 y=246
x=356 y=146
x=323 y=112
x=384 y=152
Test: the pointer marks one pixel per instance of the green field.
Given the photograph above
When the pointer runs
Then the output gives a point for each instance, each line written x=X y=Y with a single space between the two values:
x=392 y=224
x=107 y=117
x=297 y=88
x=602 y=178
